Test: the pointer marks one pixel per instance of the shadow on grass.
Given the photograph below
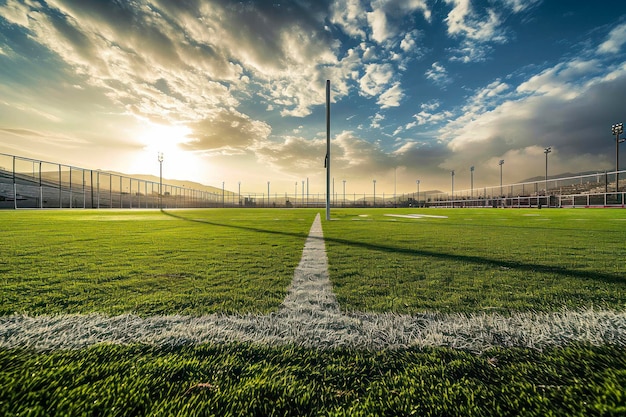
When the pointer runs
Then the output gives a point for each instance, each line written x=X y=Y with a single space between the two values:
x=519 y=266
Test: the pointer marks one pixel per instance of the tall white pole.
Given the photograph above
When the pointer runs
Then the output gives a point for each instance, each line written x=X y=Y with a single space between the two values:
x=327 y=149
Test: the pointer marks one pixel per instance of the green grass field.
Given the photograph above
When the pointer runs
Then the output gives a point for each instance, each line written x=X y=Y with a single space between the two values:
x=477 y=259
x=148 y=262
x=245 y=380
x=196 y=262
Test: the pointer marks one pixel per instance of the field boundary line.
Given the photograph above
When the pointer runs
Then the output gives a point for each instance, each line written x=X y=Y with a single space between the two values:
x=310 y=316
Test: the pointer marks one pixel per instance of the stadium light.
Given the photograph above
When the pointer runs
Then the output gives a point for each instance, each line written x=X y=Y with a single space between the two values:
x=223 y=194
x=472 y=181
x=452 y=173
x=268 y=194
x=374 y=204
x=617 y=130
x=344 y=193
x=239 y=192
x=501 y=163
x=418 y=192
x=160 y=158
x=547 y=151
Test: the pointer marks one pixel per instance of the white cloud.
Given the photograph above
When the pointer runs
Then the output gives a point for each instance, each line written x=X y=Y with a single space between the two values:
x=438 y=74
x=463 y=21
x=349 y=14
x=376 y=119
x=391 y=97
x=376 y=77
x=377 y=21
x=409 y=42
x=428 y=117
x=615 y=41
x=564 y=79
x=477 y=28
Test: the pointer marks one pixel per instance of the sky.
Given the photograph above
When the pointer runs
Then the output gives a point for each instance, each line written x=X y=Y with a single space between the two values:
x=234 y=91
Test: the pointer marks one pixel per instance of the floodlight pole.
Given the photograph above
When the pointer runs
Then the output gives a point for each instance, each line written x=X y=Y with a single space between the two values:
x=327 y=163
x=452 y=199
x=617 y=129
x=374 y=204
x=472 y=181
x=344 y=193
x=160 y=157
x=394 y=185
x=418 y=192
x=501 y=163
x=547 y=151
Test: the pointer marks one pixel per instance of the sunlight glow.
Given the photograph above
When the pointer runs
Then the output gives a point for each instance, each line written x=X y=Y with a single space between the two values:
x=178 y=162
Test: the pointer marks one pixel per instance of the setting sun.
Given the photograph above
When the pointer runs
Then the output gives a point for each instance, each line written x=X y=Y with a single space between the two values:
x=169 y=140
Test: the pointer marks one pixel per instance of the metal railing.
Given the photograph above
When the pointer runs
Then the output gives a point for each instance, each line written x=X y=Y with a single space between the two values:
x=31 y=183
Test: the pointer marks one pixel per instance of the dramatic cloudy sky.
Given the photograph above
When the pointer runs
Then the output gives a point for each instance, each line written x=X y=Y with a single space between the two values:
x=235 y=90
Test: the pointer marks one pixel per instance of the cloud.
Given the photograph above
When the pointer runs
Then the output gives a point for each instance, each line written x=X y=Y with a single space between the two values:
x=477 y=28
x=227 y=129
x=463 y=20
x=377 y=21
x=293 y=154
x=376 y=77
x=438 y=74
x=391 y=97
x=615 y=41
x=376 y=119
x=564 y=114
x=350 y=15
x=127 y=47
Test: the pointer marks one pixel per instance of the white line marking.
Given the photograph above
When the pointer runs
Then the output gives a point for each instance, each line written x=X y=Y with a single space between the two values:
x=416 y=216
x=310 y=316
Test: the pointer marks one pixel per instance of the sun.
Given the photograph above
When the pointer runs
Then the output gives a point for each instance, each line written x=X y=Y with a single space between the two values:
x=169 y=140
x=164 y=138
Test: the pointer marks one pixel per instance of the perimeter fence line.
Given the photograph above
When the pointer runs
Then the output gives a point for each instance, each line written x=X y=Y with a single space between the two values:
x=32 y=183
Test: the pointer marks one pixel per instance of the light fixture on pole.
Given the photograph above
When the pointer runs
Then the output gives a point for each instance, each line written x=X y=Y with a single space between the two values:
x=547 y=151
x=472 y=181
x=160 y=158
x=374 y=193
x=452 y=174
x=223 y=202
x=617 y=130
x=394 y=185
x=268 y=193
x=239 y=192
x=501 y=163
x=418 y=192
x=344 y=193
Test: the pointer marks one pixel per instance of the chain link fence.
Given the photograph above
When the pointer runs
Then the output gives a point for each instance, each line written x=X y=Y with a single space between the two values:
x=31 y=183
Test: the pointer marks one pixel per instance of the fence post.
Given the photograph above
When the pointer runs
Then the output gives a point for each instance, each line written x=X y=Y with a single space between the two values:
x=14 y=187
x=91 y=186
x=84 y=196
x=60 y=188
x=40 y=188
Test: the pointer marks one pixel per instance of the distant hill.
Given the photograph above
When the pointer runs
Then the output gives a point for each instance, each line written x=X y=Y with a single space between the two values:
x=564 y=175
x=177 y=183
